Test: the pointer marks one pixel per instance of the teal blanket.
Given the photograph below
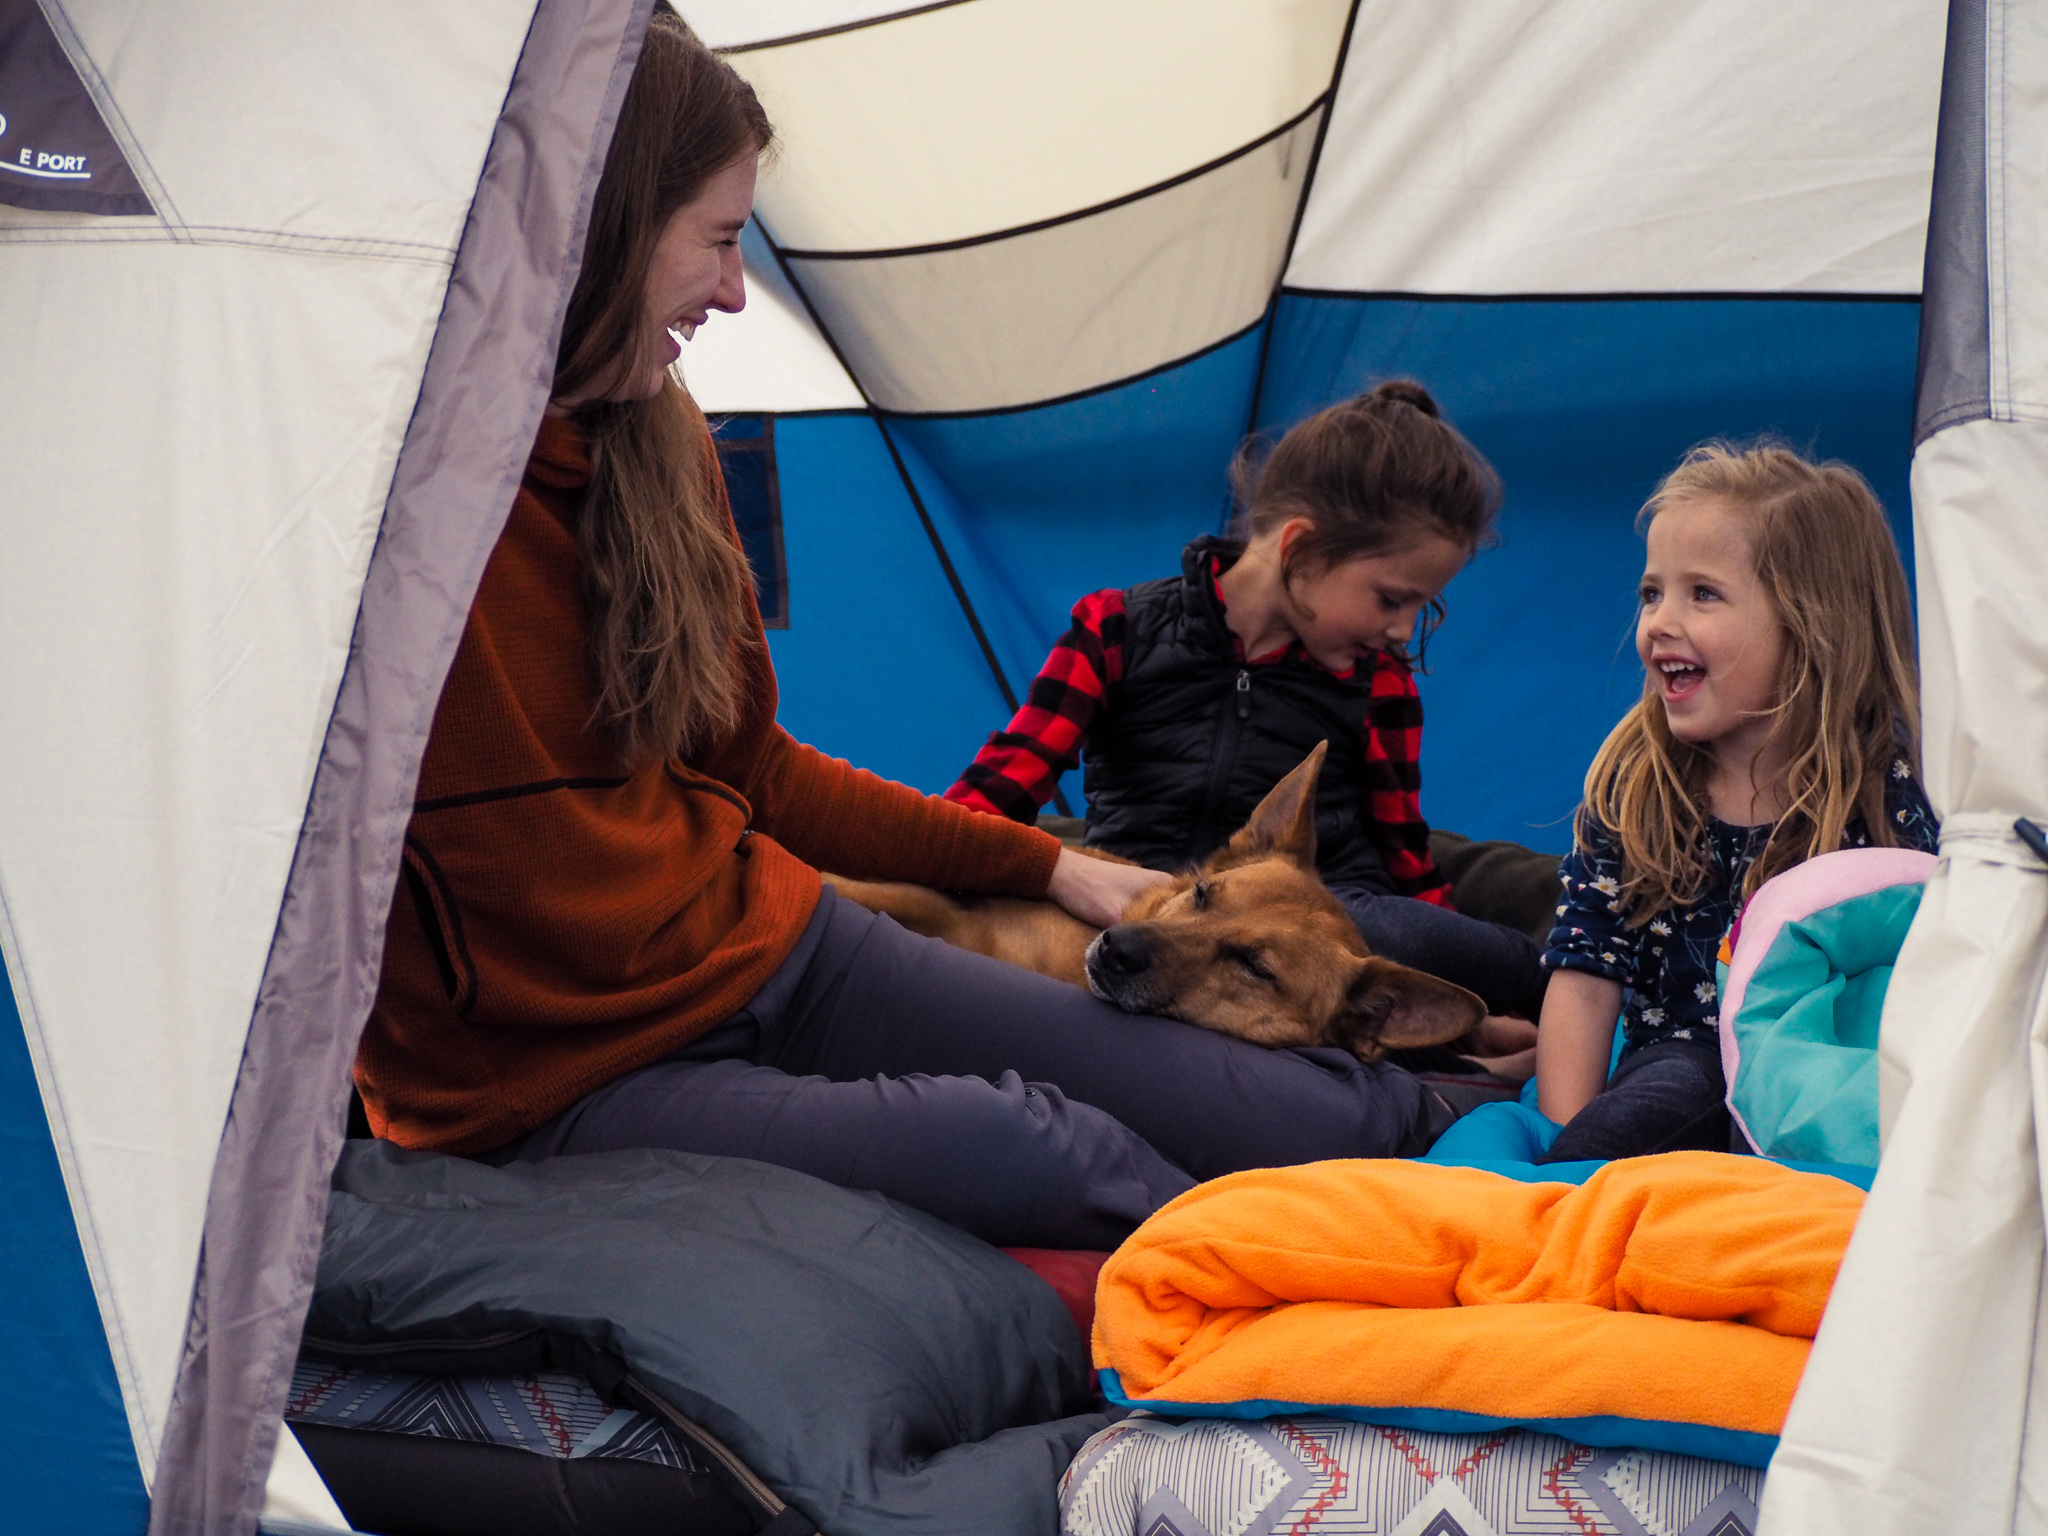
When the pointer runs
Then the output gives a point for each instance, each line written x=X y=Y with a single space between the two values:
x=1805 y=1030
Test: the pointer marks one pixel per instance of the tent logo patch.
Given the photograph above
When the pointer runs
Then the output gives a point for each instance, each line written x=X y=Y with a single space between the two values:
x=56 y=167
x=56 y=154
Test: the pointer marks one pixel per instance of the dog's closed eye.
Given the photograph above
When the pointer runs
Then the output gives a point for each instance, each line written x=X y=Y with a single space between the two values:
x=1199 y=895
x=1253 y=965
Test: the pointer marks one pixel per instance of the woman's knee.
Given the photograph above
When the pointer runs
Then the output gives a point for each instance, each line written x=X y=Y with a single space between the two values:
x=1069 y=1170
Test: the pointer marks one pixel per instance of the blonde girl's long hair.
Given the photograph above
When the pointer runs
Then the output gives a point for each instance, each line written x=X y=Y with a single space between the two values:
x=1848 y=702
x=671 y=597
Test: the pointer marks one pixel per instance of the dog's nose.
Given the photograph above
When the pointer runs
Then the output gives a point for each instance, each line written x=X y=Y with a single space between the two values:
x=1121 y=951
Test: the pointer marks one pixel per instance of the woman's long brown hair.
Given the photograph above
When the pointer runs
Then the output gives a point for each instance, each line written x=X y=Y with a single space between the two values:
x=670 y=593
x=1848 y=703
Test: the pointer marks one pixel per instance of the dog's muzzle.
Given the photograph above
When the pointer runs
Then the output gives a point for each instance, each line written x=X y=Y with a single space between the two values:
x=1119 y=965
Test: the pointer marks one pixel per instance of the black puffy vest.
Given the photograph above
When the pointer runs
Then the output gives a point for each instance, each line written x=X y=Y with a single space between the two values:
x=1191 y=739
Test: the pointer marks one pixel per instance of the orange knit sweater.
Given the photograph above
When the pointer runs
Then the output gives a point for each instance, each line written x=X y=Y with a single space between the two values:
x=560 y=922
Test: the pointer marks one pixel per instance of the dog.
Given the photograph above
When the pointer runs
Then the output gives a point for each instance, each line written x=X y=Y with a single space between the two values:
x=1249 y=944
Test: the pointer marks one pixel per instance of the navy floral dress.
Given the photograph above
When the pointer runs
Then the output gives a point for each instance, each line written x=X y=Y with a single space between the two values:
x=1667 y=965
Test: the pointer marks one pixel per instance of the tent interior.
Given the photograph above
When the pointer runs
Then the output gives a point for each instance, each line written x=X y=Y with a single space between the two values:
x=1024 y=276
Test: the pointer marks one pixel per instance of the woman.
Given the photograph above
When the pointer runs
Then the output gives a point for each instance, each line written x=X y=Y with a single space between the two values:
x=610 y=930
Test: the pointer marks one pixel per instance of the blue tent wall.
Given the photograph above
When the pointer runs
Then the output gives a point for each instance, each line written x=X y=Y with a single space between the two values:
x=877 y=665
x=1035 y=507
x=1581 y=404
x=69 y=1459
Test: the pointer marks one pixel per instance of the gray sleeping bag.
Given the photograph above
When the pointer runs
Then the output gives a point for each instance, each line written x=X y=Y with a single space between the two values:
x=880 y=1371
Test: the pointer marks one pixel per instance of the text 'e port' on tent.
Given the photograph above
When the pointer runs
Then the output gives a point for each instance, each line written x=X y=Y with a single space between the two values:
x=279 y=289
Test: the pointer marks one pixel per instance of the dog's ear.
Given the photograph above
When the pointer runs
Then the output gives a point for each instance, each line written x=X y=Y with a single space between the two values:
x=1391 y=1007
x=1285 y=821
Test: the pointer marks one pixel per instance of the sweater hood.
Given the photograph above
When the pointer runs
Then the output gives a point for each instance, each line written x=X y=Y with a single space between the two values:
x=561 y=455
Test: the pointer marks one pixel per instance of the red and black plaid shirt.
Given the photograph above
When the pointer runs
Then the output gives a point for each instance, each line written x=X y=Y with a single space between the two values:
x=1014 y=774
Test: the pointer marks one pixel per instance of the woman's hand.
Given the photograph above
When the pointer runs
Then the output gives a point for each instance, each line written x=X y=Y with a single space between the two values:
x=1097 y=891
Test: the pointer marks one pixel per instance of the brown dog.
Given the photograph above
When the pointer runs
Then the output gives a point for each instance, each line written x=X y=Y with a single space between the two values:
x=1250 y=944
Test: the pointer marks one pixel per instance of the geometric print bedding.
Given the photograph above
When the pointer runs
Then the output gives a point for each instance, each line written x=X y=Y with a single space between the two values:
x=549 y=1412
x=1148 y=1476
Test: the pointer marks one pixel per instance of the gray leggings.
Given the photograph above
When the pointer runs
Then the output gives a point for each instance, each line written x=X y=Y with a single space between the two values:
x=1019 y=1108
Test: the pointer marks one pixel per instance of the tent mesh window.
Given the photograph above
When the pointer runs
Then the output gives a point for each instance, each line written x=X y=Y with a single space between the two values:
x=746 y=453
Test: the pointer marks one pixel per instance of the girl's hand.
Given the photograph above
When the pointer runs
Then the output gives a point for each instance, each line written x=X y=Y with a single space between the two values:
x=1575 y=1042
x=1498 y=1034
x=1501 y=1044
x=1097 y=891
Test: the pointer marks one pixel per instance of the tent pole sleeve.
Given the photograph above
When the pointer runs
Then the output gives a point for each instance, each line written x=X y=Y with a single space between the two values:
x=472 y=429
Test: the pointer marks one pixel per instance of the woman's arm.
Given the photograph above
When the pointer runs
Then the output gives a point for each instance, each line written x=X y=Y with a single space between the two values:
x=1574 y=1042
x=835 y=816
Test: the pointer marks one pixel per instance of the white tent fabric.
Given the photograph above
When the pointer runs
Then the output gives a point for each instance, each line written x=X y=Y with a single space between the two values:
x=175 y=616
x=964 y=195
x=1925 y=1403
x=734 y=23
x=294 y=1497
x=1021 y=319
x=1509 y=146
x=241 y=538
x=967 y=120
x=1493 y=147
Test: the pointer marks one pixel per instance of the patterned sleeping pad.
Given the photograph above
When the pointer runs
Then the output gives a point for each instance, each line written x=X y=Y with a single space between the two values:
x=1151 y=1476
x=547 y=1412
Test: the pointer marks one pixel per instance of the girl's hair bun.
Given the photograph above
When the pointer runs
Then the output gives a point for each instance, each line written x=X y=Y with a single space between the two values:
x=1408 y=392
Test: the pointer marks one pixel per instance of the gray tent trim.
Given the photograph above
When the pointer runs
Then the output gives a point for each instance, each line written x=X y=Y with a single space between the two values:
x=486 y=382
x=1954 y=382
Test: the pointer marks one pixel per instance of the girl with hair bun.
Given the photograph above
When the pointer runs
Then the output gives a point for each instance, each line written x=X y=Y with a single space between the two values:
x=1193 y=695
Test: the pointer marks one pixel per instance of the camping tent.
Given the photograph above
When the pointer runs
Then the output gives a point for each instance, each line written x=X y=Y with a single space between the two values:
x=280 y=292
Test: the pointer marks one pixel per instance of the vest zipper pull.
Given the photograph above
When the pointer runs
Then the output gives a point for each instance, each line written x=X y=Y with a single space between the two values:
x=1244 y=693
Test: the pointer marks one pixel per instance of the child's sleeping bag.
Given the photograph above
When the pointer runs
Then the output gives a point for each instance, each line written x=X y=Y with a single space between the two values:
x=1668 y=1302
x=1806 y=971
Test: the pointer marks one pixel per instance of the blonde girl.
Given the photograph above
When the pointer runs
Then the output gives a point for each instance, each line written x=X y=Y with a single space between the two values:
x=1779 y=720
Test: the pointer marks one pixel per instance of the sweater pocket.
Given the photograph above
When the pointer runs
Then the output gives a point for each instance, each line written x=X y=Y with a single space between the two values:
x=441 y=921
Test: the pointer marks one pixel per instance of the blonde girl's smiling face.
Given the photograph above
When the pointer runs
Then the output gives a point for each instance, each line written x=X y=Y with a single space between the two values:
x=1709 y=635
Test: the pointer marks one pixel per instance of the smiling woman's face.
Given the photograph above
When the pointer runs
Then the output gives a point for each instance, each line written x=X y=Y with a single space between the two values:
x=696 y=269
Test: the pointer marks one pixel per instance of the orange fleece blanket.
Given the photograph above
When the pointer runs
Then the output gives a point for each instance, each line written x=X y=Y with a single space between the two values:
x=1684 y=1288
